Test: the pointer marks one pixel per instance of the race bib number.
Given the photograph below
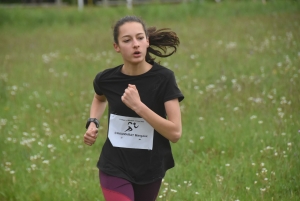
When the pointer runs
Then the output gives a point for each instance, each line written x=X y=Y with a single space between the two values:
x=130 y=132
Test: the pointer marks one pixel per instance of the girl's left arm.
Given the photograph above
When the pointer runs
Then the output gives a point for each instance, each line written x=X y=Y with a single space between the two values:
x=170 y=128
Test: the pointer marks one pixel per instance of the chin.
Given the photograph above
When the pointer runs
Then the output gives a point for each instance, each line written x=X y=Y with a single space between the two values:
x=137 y=61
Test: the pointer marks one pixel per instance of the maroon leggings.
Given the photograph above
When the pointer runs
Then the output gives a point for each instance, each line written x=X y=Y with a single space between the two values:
x=118 y=189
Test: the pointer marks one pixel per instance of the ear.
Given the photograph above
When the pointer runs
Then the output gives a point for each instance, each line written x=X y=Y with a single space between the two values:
x=148 y=41
x=116 y=47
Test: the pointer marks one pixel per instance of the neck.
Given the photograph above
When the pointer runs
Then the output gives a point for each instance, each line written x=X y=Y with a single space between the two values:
x=138 y=69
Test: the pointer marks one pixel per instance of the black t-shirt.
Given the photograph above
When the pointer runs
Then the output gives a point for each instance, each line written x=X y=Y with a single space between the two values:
x=155 y=87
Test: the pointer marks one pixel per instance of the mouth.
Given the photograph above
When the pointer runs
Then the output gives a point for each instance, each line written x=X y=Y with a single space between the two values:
x=137 y=54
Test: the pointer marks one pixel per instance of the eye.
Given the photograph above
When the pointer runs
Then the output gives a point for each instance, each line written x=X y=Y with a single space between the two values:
x=141 y=38
x=126 y=41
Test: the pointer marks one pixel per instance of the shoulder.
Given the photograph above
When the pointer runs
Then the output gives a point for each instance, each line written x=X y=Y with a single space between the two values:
x=107 y=73
x=163 y=71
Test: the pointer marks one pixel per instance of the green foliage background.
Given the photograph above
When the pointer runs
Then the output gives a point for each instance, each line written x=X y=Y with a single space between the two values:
x=237 y=65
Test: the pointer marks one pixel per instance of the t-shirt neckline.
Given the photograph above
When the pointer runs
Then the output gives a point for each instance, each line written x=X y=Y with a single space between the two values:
x=143 y=74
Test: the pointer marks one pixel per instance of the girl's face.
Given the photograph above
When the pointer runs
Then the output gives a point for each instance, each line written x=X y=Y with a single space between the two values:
x=133 y=42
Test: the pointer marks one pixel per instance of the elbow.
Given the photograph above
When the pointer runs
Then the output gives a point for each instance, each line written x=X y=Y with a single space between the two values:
x=175 y=137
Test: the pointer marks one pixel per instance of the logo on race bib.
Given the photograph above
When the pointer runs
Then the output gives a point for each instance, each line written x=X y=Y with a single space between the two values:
x=129 y=126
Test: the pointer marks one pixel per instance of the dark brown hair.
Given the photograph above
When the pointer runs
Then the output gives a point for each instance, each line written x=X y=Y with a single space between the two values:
x=160 y=40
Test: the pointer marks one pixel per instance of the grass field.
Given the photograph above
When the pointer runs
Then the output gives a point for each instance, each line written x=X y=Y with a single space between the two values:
x=238 y=66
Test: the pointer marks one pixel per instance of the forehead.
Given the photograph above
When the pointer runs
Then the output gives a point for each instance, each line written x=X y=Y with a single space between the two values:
x=131 y=29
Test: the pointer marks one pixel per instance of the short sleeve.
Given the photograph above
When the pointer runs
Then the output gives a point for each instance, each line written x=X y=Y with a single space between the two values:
x=172 y=91
x=96 y=84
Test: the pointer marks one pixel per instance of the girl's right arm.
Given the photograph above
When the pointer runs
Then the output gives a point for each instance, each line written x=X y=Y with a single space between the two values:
x=97 y=109
x=98 y=106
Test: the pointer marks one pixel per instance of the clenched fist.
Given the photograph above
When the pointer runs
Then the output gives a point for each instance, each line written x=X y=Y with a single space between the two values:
x=90 y=136
x=131 y=97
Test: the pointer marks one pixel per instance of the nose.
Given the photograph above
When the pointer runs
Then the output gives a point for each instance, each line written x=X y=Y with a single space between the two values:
x=135 y=43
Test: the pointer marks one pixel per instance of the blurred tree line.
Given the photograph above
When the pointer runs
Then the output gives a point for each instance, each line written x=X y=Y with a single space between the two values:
x=40 y=1
x=94 y=1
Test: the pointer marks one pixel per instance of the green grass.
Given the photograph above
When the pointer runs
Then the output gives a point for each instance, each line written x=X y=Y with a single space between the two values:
x=238 y=66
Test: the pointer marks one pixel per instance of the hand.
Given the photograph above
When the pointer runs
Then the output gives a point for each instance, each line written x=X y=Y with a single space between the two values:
x=131 y=97
x=90 y=136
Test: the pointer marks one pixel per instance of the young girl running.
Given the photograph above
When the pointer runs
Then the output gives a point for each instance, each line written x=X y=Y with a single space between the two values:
x=144 y=113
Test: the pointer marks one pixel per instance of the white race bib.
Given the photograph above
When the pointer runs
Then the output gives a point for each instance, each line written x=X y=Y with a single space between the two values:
x=130 y=132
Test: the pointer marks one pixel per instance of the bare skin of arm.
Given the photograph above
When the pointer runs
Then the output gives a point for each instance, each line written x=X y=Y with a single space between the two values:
x=97 y=109
x=169 y=128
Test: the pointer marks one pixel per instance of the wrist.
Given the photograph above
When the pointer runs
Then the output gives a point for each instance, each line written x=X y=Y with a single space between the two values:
x=139 y=108
x=92 y=125
x=92 y=122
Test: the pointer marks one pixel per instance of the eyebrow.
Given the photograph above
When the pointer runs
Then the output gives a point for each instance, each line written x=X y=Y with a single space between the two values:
x=130 y=35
